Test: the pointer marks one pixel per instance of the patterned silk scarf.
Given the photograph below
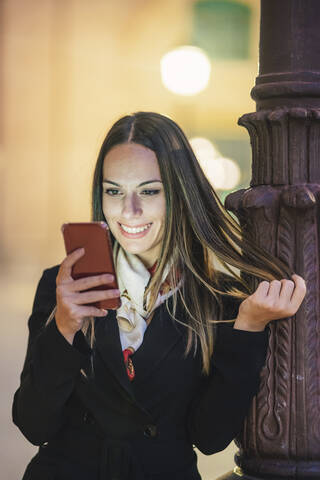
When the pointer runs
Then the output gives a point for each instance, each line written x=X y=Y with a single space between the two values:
x=133 y=279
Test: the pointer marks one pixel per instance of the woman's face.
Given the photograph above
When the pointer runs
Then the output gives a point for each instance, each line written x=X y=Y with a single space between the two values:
x=133 y=200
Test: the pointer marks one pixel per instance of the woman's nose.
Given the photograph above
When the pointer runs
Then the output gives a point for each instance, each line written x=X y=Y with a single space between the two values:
x=131 y=206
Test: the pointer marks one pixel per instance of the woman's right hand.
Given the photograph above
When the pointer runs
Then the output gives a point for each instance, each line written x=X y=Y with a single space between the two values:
x=71 y=308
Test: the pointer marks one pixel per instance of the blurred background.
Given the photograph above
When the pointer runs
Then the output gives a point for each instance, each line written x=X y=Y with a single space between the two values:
x=69 y=70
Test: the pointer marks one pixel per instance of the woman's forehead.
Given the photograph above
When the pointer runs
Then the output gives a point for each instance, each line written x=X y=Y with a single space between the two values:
x=131 y=162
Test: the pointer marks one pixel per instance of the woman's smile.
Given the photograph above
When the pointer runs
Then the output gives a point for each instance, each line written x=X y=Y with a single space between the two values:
x=135 y=232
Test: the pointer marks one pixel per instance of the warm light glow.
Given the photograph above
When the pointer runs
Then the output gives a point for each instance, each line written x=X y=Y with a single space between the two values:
x=185 y=70
x=232 y=173
x=223 y=173
x=204 y=149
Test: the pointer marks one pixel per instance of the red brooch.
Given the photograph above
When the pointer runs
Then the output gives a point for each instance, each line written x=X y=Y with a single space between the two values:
x=128 y=363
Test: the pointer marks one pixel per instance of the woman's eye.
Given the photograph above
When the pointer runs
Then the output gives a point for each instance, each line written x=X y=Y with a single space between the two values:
x=112 y=191
x=115 y=192
x=150 y=192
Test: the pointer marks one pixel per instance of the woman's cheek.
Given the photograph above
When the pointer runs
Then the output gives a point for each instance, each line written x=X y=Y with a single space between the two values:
x=109 y=210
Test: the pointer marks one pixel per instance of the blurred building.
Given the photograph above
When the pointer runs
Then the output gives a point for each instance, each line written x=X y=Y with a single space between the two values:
x=69 y=70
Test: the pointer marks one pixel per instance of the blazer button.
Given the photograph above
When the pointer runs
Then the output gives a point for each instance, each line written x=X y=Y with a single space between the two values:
x=150 y=431
x=88 y=418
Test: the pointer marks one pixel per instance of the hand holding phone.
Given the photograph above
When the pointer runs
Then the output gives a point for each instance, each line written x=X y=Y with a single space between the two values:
x=84 y=285
x=94 y=237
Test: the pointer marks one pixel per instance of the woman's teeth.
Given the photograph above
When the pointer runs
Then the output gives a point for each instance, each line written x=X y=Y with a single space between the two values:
x=135 y=230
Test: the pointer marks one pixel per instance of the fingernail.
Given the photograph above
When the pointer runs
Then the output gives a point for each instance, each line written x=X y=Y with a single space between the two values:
x=104 y=311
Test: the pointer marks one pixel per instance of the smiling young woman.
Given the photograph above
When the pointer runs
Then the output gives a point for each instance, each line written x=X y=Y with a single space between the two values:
x=129 y=393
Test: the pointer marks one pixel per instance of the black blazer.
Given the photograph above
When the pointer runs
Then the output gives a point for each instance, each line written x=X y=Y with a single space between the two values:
x=97 y=425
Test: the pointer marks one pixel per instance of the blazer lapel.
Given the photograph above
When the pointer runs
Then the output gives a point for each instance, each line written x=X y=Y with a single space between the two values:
x=109 y=347
x=160 y=337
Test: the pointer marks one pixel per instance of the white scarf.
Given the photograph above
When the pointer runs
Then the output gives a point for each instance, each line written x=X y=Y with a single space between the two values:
x=133 y=278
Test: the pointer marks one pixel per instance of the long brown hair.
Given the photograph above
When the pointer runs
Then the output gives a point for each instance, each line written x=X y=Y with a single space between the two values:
x=199 y=232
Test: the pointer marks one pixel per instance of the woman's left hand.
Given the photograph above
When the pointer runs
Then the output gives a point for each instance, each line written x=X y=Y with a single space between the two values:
x=271 y=301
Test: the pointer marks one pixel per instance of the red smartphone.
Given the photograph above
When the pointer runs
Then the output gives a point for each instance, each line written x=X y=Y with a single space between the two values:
x=95 y=238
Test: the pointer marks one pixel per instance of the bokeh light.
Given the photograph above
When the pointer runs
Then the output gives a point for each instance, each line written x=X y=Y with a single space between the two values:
x=185 y=70
x=223 y=173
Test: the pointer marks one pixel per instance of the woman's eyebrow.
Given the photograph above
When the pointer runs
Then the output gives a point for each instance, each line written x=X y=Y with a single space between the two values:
x=140 y=185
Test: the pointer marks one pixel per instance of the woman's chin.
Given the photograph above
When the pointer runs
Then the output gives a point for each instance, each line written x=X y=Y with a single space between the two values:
x=134 y=249
x=148 y=253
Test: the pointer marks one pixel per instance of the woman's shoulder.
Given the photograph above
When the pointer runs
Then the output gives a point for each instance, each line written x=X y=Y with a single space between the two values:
x=51 y=273
x=48 y=278
x=44 y=300
x=47 y=285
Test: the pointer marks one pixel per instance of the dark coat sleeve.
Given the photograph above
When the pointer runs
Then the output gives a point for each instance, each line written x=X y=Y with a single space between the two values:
x=50 y=369
x=217 y=413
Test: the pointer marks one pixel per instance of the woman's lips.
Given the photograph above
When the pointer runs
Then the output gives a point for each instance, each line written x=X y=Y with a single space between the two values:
x=135 y=235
